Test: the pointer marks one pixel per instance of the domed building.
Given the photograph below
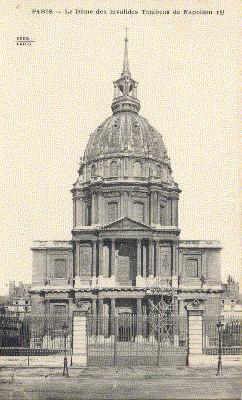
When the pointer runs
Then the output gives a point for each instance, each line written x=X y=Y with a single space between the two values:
x=126 y=255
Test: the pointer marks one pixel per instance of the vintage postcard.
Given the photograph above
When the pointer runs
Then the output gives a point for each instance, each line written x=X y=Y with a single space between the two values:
x=119 y=272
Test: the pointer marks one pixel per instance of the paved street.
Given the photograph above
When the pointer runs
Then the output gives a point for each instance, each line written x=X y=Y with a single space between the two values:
x=125 y=383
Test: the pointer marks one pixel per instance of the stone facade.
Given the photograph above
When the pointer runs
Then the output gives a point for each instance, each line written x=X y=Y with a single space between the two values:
x=126 y=248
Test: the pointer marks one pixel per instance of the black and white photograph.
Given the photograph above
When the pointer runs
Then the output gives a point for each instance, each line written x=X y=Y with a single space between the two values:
x=120 y=212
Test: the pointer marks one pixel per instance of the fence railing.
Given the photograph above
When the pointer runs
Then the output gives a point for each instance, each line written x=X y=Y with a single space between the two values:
x=35 y=335
x=129 y=340
x=230 y=336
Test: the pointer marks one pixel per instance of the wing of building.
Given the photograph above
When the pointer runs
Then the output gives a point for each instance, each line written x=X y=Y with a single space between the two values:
x=125 y=255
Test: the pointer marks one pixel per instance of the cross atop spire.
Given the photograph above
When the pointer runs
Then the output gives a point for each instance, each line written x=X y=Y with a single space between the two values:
x=126 y=58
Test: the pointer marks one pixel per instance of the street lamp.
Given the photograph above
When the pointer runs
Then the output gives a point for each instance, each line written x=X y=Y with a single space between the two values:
x=65 y=334
x=220 y=326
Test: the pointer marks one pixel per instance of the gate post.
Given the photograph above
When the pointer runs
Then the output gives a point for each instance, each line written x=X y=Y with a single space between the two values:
x=79 y=349
x=194 y=332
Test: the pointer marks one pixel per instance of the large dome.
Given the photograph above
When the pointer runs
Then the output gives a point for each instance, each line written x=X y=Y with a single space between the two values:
x=125 y=131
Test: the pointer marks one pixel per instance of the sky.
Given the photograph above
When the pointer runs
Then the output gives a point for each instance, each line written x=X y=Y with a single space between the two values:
x=58 y=90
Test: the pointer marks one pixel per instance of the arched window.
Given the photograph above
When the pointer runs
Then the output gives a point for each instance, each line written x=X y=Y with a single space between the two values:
x=138 y=210
x=113 y=169
x=137 y=169
x=112 y=211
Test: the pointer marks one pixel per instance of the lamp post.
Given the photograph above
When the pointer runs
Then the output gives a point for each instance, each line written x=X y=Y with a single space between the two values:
x=220 y=330
x=65 y=334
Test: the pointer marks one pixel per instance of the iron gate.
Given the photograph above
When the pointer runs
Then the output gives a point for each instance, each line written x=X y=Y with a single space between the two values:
x=131 y=340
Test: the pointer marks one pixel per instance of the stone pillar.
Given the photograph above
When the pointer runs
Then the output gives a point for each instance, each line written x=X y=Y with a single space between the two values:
x=138 y=257
x=94 y=208
x=112 y=315
x=174 y=265
x=157 y=261
x=79 y=357
x=144 y=249
x=106 y=261
x=100 y=319
x=195 y=332
x=113 y=259
x=151 y=259
x=78 y=212
x=139 y=320
x=168 y=211
x=152 y=207
x=100 y=209
x=100 y=258
x=77 y=260
x=94 y=261
x=155 y=208
x=94 y=317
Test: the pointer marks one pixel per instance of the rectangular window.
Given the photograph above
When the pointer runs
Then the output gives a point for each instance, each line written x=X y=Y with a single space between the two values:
x=60 y=270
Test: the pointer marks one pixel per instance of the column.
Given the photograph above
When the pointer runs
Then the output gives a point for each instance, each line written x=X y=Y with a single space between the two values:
x=180 y=268
x=94 y=258
x=100 y=318
x=155 y=208
x=151 y=207
x=168 y=211
x=151 y=258
x=139 y=319
x=144 y=250
x=100 y=209
x=79 y=357
x=157 y=260
x=138 y=257
x=204 y=263
x=174 y=275
x=113 y=266
x=112 y=312
x=94 y=208
x=106 y=261
x=78 y=212
x=77 y=261
x=100 y=258
x=195 y=333
x=94 y=317
x=174 y=205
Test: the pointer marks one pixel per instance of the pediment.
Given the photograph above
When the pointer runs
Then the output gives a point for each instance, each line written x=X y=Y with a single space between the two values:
x=126 y=224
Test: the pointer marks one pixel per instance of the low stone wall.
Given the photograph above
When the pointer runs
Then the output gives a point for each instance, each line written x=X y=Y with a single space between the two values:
x=41 y=361
x=204 y=360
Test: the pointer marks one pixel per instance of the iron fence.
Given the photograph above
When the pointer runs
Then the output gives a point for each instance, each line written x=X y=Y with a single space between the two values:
x=130 y=340
x=230 y=336
x=34 y=335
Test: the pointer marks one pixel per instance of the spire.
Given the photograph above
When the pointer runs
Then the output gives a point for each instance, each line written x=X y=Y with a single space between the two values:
x=125 y=88
x=126 y=57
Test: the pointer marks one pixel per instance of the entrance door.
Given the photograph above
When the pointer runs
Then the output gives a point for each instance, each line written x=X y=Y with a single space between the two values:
x=126 y=263
x=125 y=327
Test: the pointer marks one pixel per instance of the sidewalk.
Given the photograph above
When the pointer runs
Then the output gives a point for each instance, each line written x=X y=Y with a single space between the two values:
x=125 y=383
